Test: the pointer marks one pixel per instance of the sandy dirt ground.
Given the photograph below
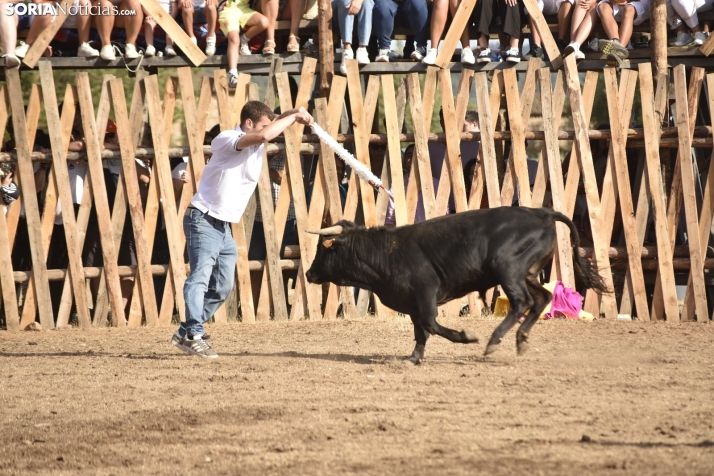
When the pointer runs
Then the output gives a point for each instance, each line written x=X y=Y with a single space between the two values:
x=323 y=398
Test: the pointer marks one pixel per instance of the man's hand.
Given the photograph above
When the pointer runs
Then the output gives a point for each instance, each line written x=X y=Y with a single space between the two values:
x=354 y=7
x=303 y=117
x=184 y=176
x=511 y=3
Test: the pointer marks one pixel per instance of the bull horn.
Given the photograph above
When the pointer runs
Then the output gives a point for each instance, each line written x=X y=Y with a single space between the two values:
x=330 y=230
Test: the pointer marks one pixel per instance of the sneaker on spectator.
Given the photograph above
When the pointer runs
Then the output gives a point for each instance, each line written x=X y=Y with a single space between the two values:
x=683 y=39
x=130 y=52
x=169 y=51
x=245 y=49
x=513 y=55
x=535 y=52
x=194 y=40
x=594 y=44
x=11 y=61
x=571 y=49
x=107 y=53
x=362 y=56
x=211 y=45
x=346 y=55
x=86 y=51
x=484 y=56
x=430 y=57
x=419 y=53
x=467 y=56
x=22 y=49
x=699 y=38
x=150 y=51
x=615 y=47
x=194 y=345
x=232 y=81
x=579 y=55
x=382 y=56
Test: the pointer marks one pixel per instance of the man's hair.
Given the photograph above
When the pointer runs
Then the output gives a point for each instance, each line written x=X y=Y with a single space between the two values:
x=472 y=116
x=255 y=110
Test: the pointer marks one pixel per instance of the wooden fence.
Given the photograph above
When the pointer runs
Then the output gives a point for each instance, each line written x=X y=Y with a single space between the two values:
x=497 y=96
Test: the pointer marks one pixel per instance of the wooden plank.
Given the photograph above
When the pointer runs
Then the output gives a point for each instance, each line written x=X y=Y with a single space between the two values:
x=460 y=19
x=518 y=141
x=690 y=199
x=99 y=190
x=421 y=148
x=625 y=195
x=487 y=145
x=29 y=195
x=239 y=98
x=172 y=29
x=394 y=154
x=276 y=65
x=12 y=317
x=45 y=38
x=556 y=60
x=708 y=46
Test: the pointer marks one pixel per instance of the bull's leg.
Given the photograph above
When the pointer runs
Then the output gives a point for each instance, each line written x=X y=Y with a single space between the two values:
x=521 y=301
x=426 y=318
x=541 y=298
x=421 y=336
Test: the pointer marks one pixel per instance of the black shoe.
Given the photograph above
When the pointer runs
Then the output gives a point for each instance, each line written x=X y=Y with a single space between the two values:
x=535 y=52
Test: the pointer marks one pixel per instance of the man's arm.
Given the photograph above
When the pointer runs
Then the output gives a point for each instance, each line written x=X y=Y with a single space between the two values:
x=275 y=128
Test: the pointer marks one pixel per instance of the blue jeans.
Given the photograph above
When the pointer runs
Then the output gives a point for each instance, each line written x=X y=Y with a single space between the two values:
x=346 y=22
x=410 y=14
x=212 y=255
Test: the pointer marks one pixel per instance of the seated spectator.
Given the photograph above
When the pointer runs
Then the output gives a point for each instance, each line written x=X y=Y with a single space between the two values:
x=583 y=19
x=8 y=35
x=509 y=12
x=200 y=11
x=235 y=16
x=347 y=12
x=408 y=14
x=9 y=190
x=682 y=17
x=296 y=10
x=179 y=176
x=78 y=19
x=438 y=22
x=150 y=26
x=131 y=23
x=627 y=14
x=562 y=8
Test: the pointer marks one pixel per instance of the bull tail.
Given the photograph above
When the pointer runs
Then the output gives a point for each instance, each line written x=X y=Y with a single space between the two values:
x=585 y=274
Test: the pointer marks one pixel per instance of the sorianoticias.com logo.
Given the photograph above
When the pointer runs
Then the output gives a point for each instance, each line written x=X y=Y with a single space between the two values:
x=65 y=9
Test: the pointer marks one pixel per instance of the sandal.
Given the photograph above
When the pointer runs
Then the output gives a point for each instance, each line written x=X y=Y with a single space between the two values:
x=293 y=46
x=269 y=50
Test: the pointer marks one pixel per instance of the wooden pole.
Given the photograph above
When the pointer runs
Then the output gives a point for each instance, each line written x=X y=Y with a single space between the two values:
x=327 y=50
x=658 y=32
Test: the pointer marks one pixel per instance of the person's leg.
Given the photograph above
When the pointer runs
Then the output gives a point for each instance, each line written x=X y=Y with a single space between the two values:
x=222 y=277
x=607 y=17
x=580 y=36
x=232 y=50
x=269 y=9
x=483 y=14
x=565 y=12
x=580 y=12
x=8 y=36
x=297 y=10
x=255 y=25
x=439 y=14
x=364 y=23
x=39 y=24
x=383 y=22
x=418 y=19
x=211 y=15
x=511 y=16
x=465 y=35
x=131 y=23
x=104 y=23
x=187 y=16
x=625 y=29
x=83 y=22
x=345 y=22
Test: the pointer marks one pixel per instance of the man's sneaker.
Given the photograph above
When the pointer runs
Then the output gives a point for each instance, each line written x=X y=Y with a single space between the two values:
x=362 y=56
x=22 y=49
x=86 y=51
x=535 y=52
x=244 y=48
x=232 y=81
x=484 y=56
x=418 y=54
x=150 y=51
x=211 y=45
x=194 y=345
x=683 y=39
x=382 y=56
x=699 y=38
x=467 y=56
x=169 y=51
x=430 y=57
x=513 y=55
x=107 y=53
x=613 y=47
x=130 y=52
x=346 y=55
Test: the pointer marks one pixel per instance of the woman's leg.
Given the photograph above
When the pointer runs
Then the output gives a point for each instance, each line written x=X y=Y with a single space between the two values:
x=187 y=11
x=465 y=36
x=364 y=22
x=233 y=48
x=581 y=35
x=383 y=22
x=564 y=13
x=439 y=14
x=626 y=25
x=297 y=10
x=255 y=25
x=83 y=22
x=104 y=23
x=8 y=34
x=269 y=8
x=211 y=14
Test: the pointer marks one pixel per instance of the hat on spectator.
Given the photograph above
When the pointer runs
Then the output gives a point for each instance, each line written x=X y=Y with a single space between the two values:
x=111 y=127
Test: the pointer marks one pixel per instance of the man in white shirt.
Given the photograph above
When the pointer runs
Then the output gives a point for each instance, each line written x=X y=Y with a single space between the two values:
x=228 y=182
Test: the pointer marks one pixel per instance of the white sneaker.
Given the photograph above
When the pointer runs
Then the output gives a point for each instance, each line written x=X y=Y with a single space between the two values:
x=86 y=51
x=107 y=53
x=244 y=49
x=579 y=55
x=346 y=55
x=130 y=52
x=169 y=51
x=382 y=56
x=150 y=51
x=699 y=38
x=362 y=56
x=467 y=56
x=430 y=57
x=194 y=40
x=211 y=45
x=484 y=56
x=683 y=39
x=22 y=50
x=513 y=55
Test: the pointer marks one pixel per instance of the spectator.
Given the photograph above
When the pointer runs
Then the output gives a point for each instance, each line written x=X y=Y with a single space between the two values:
x=438 y=22
x=234 y=16
x=179 y=176
x=347 y=12
x=564 y=10
x=509 y=12
x=169 y=7
x=8 y=35
x=682 y=16
x=407 y=13
x=130 y=23
x=583 y=19
x=627 y=15
x=200 y=11
x=294 y=11
x=10 y=192
x=472 y=175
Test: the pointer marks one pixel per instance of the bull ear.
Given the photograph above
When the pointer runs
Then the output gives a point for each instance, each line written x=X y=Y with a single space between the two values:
x=328 y=243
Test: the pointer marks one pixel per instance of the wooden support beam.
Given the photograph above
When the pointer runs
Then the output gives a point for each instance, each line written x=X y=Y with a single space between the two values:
x=45 y=38
x=458 y=23
x=172 y=29
x=556 y=60
x=327 y=50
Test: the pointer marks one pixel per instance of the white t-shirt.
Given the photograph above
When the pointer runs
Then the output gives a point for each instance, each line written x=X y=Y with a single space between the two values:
x=179 y=169
x=77 y=172
x=230 y=177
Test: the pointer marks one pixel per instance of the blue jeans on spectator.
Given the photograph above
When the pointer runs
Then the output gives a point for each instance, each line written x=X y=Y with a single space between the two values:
x=212 y=255
x=346 y=22
x=409 y=14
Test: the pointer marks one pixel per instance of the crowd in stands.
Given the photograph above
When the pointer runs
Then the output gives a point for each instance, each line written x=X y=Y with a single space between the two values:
x=243 y=27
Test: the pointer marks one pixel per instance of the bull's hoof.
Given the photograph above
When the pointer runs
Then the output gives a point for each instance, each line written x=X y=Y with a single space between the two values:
x=412 y=360
x=469 y=337
x=522 y=347
x=490 y=349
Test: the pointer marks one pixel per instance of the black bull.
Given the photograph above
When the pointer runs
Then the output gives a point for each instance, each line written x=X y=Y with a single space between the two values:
x=413 y=269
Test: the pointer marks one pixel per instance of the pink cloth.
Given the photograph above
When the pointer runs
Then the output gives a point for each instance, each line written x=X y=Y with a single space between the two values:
x=566 y=303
